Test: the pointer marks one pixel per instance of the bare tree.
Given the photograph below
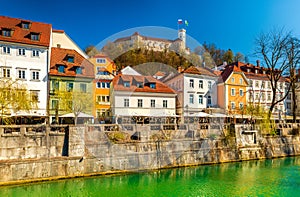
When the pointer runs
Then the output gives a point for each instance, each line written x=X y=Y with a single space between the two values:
x=271 y=48
x=293 y=55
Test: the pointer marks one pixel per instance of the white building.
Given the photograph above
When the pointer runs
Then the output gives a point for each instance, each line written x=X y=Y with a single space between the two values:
x=141 y=97
x=196 y=90
x=24 y=49
x=259 y=91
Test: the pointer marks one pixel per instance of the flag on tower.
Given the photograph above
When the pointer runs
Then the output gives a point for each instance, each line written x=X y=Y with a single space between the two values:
x=186 y=23
x=179 y=21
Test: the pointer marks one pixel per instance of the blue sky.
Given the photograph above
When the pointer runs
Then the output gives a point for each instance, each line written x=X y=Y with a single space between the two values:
x=230 y=24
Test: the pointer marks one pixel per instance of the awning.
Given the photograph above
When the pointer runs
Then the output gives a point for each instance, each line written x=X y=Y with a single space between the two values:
x=80 y=115
x=218 y=115
x=199 y=114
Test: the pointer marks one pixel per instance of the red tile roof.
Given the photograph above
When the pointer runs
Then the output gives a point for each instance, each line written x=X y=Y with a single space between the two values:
x=200 y=71
x=58 y=57
x=144 y=38
x=21 y=35
x=160 y=87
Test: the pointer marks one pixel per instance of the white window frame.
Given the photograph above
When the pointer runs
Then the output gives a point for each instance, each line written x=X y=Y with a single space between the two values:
x=35 y=53
x=165 y=103
x=191 y=99
x=232 y=91
x=241 y=91
x=201 y=84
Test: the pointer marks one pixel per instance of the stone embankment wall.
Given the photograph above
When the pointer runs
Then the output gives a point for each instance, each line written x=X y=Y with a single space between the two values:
x=30 y=154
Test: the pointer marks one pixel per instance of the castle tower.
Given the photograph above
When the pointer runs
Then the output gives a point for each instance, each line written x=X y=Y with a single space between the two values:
x=182 y=35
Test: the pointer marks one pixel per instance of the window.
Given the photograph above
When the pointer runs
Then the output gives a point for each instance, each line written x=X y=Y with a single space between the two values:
x=61 y=69
x=256 y=84
x=280 y=85
x=6 y=32
x=165 y=104
x=126 y=84
x=232 y=91
x=250 y=82
x=241 y=105
x=54 y=104
x=82 y=87
x=191 y=98
x=256 y=96
x=288 y=106
x=152 y=103
x=34 y=95
x=200 y=99
x=78 y=70
x=6 y=50
x=21 y=74
x=140 y=103
x=102 y=99
x=70 y=59
x=98 y=85
x=35 y=53
x=55 y=85
x=191 y=83
x=126 y=102
x=232 y=79
x=232 y=105
x=107 y=84
x=101 y=60
x=269 y=85
x=152 y=85
x=6 y=72
x=103 y=84
x=201 y=84
x=263 y=96
x=208 y=100
x=269 y=96
x=25 y=25
x=35 y=36
x=262 y=84
x=241 y=81
x=209 y=85
x=139 y=85
x=251 y=96
x=241 y=92
x=21 y=52
x=70 y=86
x=35 y=75
x=289 y=96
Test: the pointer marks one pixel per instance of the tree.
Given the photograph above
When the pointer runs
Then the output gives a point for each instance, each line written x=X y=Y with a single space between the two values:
x=228 y=56
x=271 y=47
x=91 y=50
x=293 y=56
x=14 y=97
x=239 y=57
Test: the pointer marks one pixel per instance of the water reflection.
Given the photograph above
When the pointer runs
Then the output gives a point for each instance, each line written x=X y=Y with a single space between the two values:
x=278 y=177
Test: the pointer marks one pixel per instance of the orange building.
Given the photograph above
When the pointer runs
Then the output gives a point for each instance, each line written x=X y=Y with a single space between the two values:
x=232 y=89
x=105 y=69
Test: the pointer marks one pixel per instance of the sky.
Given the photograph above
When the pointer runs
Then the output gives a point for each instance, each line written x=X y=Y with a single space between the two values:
x=230 y=24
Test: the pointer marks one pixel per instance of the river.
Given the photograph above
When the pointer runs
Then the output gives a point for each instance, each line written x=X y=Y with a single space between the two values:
x=276 y=177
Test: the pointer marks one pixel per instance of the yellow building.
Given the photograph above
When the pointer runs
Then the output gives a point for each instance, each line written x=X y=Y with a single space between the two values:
x=105 y=69
x=232 y=90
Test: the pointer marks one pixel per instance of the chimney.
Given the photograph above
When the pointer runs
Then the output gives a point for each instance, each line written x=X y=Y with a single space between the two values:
x=58 y=46
x=179 y=69
x=258 y=63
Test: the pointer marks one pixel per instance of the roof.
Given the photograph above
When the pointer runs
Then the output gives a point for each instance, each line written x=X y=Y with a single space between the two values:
x=159 y=74
x=228 y=70
x=118 y=84
x=22 y=35
x=59 y=57
x=200 y=71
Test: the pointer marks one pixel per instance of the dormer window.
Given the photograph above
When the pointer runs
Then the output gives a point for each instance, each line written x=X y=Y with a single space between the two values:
x=139 y=85
x=152 y=85
x=256 y=71
x=78 y=70
x=6 y=32
x=264 y=72
x=35 y=36
x=25 y=25
x=126 y=84
x=61 y=69
x=70 y=59
x=248 y=70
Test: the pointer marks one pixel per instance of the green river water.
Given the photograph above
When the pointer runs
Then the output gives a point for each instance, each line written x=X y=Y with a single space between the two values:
x=277 y=177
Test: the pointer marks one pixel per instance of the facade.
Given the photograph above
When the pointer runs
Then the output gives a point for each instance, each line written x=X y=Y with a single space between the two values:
x=196 y=90
x=232 y=88
x=105 y=70
x=71 y=83
x=24 y=49
x=62 y=40
x=259 y=91
x=156 y=44
x=141 y=97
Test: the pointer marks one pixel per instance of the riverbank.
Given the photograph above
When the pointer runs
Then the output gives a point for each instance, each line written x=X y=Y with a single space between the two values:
x=88 y=151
